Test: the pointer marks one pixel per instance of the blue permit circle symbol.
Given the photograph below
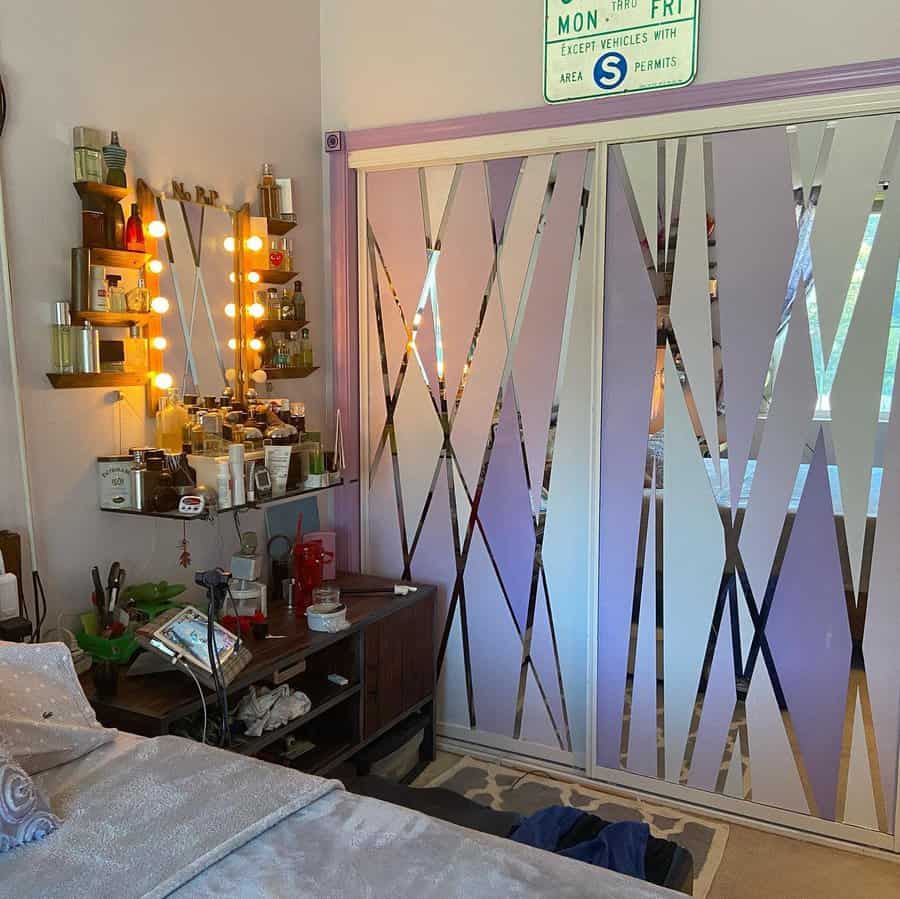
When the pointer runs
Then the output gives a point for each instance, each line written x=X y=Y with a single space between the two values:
x=610 y=70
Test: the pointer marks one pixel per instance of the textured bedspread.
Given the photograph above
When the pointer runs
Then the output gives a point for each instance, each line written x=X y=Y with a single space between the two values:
x=348 y=847
x=150 y=818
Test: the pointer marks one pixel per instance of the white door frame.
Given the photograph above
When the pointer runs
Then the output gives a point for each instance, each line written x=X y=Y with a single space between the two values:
x=598 y=136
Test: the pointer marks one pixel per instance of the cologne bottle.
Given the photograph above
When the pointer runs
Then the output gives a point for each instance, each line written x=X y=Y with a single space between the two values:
x=168 y=425
x=61 y=336
x=138 y=298
x=286 y=306
x=114 y=226
x=88 y=158
x=299 y=302
x=115 y=296
x=115 y=156
x=135 y=351
x=306 y=352
x=269 y=201
x=134 y=231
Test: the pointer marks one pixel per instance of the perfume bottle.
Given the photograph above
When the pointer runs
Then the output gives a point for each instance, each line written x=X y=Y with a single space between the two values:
x=135 y=351
x=272 y=304
x=88 y=158
x=168 y=425
x=114 y=226
x=306 y=352
x=286 y=306
x=134 y=231
x=299 y=302
x=269 y=201
x=213 y=441
x=115 y=296
x=115 y=156
x=138 y=298
x=61 y=336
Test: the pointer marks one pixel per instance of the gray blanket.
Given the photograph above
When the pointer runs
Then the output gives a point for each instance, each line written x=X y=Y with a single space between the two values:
x=153 y=818
x=168 y=816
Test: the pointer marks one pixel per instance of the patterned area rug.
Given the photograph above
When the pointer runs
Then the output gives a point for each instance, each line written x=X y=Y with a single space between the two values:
x=513 y=790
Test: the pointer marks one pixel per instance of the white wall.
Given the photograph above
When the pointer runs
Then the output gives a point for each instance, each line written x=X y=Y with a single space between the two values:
x=196 y=91
x=396 y=61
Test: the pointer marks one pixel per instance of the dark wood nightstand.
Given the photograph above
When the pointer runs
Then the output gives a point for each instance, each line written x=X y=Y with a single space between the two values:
x=387 y=656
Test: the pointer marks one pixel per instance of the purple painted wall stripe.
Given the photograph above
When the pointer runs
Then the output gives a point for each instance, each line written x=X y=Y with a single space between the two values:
x=853 y=76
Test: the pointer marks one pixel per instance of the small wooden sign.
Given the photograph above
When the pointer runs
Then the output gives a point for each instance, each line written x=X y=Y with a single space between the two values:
x=203 y=195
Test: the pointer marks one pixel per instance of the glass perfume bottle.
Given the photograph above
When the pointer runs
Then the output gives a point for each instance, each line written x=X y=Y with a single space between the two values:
x=213 y=442
x=286 y=306
x=61 y=336
x=114 y=156
x=269 y=200
x=299 y=302
x=168 y=425
x=138 y=298
x=135 y=351
x=306 y=352
x=114 y=226
x=272 y=304
x=115 y=296
x=134 y=231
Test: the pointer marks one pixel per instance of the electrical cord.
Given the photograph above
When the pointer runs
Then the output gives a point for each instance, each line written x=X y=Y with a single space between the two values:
x=225 y=737
x=187 y=668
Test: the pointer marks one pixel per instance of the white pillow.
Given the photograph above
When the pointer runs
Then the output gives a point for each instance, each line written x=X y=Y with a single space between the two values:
x=45 y=717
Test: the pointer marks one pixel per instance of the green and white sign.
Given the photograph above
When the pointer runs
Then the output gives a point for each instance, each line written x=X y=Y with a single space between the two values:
x=595 y=48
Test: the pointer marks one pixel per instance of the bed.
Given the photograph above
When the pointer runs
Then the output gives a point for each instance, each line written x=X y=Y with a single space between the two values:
x=169 y=817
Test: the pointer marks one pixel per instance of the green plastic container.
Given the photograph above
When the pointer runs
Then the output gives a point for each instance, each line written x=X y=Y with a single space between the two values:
x=118 y=649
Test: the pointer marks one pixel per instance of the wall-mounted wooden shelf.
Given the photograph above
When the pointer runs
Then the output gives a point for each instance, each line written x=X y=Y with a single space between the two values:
x=275 y=276
x=284 y=374
x=102 y=379
x=279 y=324
x=97 y=188
x=279 y=227
x=118 y=258
x=111 y=319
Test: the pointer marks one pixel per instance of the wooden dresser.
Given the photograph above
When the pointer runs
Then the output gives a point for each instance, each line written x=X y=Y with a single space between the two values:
x=387 y=656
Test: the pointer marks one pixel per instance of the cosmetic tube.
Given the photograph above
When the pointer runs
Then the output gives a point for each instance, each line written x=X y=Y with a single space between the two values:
x=236 y=464
x=278 y=462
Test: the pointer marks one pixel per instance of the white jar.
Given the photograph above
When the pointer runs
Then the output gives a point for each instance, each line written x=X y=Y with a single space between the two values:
x=99 y=297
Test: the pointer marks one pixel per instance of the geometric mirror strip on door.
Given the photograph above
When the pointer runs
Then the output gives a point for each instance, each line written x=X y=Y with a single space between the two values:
x=478 y=344
x=749 y=616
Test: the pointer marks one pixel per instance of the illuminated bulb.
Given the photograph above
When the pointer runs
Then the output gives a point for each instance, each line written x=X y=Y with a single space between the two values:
x=159 y=343
x=254 y=243
x=232 y=344
x=231 y=376
x=255 y=344
x=231 y=277
x=156 y=228
x=253 y=277
x=160 y=305
x=155 y=266
x=231 y=310
x=256 y=310
x=163 y=381
x=229 y=244
x=259 y=376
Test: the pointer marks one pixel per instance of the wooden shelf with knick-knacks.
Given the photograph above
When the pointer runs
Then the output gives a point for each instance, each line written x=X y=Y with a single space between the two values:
x=285 y=374
x=112 y=319
x=275 y=276
x=97 y=379
x=264 y=325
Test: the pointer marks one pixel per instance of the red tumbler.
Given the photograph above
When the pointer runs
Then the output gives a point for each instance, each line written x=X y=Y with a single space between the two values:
x=309 y=559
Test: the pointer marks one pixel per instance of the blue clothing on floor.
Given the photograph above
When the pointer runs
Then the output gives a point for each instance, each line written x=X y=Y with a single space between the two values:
x=620 y=847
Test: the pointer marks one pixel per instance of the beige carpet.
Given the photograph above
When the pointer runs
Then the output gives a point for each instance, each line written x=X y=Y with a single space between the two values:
x=760 y=865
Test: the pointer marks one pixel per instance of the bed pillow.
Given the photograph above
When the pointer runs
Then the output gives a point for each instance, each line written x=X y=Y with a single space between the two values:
x=45 y=717
x=24 y=813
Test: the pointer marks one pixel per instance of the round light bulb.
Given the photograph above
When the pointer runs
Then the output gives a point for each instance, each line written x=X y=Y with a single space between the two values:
x=256 y=310
x=163 y=381
x=259 y=376
x=254 y=243
x=231 y=310
x=160 y=305
x=255 y=344
x=229 y=244
x=232 y=344
x=253 y=277
x=156 y=228
x=232 y=277
x=230 y=375
x=159 y=343
x=155 y=266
